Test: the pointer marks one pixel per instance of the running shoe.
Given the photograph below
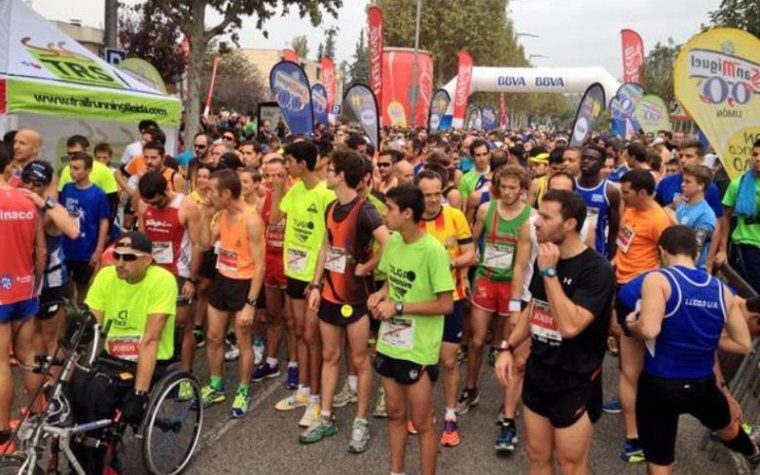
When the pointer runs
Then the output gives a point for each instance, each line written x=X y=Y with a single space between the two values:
x=507 y=438
x=380 y=410
x=185 y=392
x=323 y=426
x=612 y=406
x=345 y=396
x=232 y=354
x=210 y=396
x=295 y=400
x=264 y=371
x=450 y=434
x=632 y=452
x=312 y=413
x=200 y=338
x=292 y=382
x=240 y=404
x=359 y=442
x=468 y=399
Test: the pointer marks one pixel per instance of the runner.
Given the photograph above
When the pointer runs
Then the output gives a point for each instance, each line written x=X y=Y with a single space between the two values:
x=344 y=274
x=236 y=288
x=568 y=319
x=602 y=201
x=411 y=305
x=472 y=180
x=385 y=176
x=450 y=227
x=694 y=212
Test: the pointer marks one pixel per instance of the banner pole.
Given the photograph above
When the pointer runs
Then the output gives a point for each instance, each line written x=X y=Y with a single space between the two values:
x=207 y=109
x=415 y=65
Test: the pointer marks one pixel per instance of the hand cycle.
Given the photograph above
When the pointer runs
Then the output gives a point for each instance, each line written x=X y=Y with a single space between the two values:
x=169 y=432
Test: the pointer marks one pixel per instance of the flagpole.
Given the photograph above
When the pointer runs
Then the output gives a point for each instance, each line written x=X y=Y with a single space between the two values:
x=415 y=65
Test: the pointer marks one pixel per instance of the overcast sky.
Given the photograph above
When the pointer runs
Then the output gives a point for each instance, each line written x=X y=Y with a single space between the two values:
x=571 y=32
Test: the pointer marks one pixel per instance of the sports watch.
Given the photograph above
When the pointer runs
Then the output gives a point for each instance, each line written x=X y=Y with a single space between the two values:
x=548 y=272
x=399 y=306
x=505 y=346
x=251 y=301
x=50 y=203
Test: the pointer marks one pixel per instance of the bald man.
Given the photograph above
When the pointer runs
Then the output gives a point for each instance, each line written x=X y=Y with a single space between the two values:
x=27 y=146
x=404 y=172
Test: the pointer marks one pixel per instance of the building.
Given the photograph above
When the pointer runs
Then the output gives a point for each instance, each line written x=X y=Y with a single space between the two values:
x=91 y=38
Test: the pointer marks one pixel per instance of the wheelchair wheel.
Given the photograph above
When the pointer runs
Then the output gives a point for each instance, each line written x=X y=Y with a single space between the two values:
x=172 y=426
x=12 y=465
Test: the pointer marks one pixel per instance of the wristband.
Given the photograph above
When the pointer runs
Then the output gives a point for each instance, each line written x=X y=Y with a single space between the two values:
x=515 y=305
x=548 y=272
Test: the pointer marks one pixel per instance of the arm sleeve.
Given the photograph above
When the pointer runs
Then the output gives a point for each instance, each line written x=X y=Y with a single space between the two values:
x=97 y=294
x=463 y=231
x=286 y=201
x=595 y=287
x=370 y=218
x=163 y=296
x=713 y=199
x=382 y=266
x=729 y=199
x=440 y=273
x=104 y=212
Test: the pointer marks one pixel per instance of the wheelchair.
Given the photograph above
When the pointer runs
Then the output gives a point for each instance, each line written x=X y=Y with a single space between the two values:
x=168 y=435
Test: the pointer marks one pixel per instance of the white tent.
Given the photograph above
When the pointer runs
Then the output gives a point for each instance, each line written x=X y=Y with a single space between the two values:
x=52 y=84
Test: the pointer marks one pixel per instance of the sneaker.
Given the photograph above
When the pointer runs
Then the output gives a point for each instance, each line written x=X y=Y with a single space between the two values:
x=345 y=397
x=200 y=338
x=410 y=428
x=359 y=437
x=380 y=410
x=210 y=396
x=185 y=392
x=295 y=400
x=507 y=438
x=323 y=426
x=240 y=405
x=264 y=371
x=632 y=452
x=612 y=406
x=312 y=414
x=450 y=434
x=292 y=382
x=468 y=399
x=232 y=354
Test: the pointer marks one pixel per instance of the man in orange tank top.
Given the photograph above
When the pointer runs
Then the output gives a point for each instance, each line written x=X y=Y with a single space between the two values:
x=236 y=286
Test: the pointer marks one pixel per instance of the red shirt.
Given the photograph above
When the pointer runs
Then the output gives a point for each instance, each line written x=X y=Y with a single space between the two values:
x=18 y=224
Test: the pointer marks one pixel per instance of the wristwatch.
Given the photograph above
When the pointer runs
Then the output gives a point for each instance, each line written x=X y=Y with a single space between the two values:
x=505 y=346
x=193 y=280
x=548 y=272
x=399 y=308
x=139 y=393
x=50 y=203
x=251 y=301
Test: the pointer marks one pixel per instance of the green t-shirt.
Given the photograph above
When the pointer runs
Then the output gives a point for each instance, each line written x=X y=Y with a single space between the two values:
x=747 y=230
x=100 y=175
x=467 y=183
x=416 y=272
x=304 y=228
x=127 y=306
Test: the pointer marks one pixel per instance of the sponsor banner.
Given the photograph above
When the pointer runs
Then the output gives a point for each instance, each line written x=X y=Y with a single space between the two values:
x=717 y=81
x=290 y=55
x=462 y=91
x=144 y=72
x=398 y=87
x=489 y=118
x=375 y=19
x=89 y=103
x=319 y=104
x=589 y=109
x=362 y=102
x=622 y=108
x=633 y=56
x=290 y=88
x=503 y=110
x=474 y=118
x=438 y=106
x=652 y=114
x=328 y=80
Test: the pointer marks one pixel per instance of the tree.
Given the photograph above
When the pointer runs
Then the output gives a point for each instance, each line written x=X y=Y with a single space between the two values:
x=744 y=14
x=320 y=51
x=658 y=70
x=300 y=45
x=150 y=35
x=330 y=42
x=358 y=70
x=190 y=17
x=239 y=85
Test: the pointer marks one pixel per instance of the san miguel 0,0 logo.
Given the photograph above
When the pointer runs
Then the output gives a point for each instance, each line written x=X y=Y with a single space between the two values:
x=724 y=79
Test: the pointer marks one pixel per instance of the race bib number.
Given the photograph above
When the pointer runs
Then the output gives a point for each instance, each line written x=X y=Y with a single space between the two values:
x=592 y=217
x=498 y=256
x=542 y=324
x=163 y=252
x=274 y=236
x=297 y=260
x=625 y=237
x=335 y=261
x=398 y=332
x=124 y=347
x=227 y=260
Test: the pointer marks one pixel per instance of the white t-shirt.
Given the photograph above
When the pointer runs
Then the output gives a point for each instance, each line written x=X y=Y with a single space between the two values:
x=131 y=151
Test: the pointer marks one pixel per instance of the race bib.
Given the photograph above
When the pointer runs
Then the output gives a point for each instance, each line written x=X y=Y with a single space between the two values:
x=398 y=332
x=542 y=324
x=336 y=258
x=498 y=256
x=227 y=260
x=625 y=237
x=592 y=217
x=124 y=347
x=274 y=235
x=163 y=252
x=297 y=260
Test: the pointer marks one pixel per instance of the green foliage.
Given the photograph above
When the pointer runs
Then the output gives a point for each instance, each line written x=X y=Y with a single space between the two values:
x=239 y=85
x=744 y=14
x=658 y=70
x=330 y=42
x=300 y=45
x=358 y=70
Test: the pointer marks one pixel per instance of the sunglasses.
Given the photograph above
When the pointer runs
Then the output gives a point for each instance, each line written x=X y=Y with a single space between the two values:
x=127 y=256
x=383 y=164
x=199 y=145
x=228 y=137
x=29 y=181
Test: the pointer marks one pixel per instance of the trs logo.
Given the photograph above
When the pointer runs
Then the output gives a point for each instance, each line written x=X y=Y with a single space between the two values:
x=723 y=77
x=68 y=65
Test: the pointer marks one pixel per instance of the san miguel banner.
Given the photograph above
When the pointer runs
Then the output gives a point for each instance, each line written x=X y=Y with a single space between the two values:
x=490 y=121
x=633 y=56
x=652 y=114
x=438 y=105
x=319 y=104
x=462 y=92
x=290 y=88
x=328 y=80
x=375 y=17
x=589 y=109
x=362 y=102
x=717 y=81
x=503 y=110
x=474 y=118
x=622 y=108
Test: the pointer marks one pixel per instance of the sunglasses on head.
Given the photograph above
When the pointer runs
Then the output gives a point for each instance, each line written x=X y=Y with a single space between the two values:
x=127 y=256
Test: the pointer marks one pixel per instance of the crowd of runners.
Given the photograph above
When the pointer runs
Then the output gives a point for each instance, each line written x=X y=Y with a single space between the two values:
x=330 y=263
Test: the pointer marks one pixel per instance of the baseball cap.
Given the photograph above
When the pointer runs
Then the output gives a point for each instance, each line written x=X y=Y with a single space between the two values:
x=540 y=158
x=138 y=241
x=38 y=171
x=658 y=141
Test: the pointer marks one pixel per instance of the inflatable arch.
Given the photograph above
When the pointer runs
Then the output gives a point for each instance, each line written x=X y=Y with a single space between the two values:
x=499 y=79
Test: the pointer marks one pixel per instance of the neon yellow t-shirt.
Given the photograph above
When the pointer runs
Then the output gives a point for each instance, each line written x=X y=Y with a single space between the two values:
x=304 y=228
x=127 y=306
x=100 y=175
x=416 y=272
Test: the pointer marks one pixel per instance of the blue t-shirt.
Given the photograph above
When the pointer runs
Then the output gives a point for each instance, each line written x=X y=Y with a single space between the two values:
x=669 y=189
x=88 y=207
x=701 y=218
x=184 y=158
x=618 y=173
x=466 y=163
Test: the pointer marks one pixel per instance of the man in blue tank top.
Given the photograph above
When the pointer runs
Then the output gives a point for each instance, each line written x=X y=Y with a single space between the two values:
x=602 y=201
x=683 y=312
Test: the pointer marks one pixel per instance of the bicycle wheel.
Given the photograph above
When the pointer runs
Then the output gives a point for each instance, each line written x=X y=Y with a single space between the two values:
x=12 y=465
x=173 y=424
